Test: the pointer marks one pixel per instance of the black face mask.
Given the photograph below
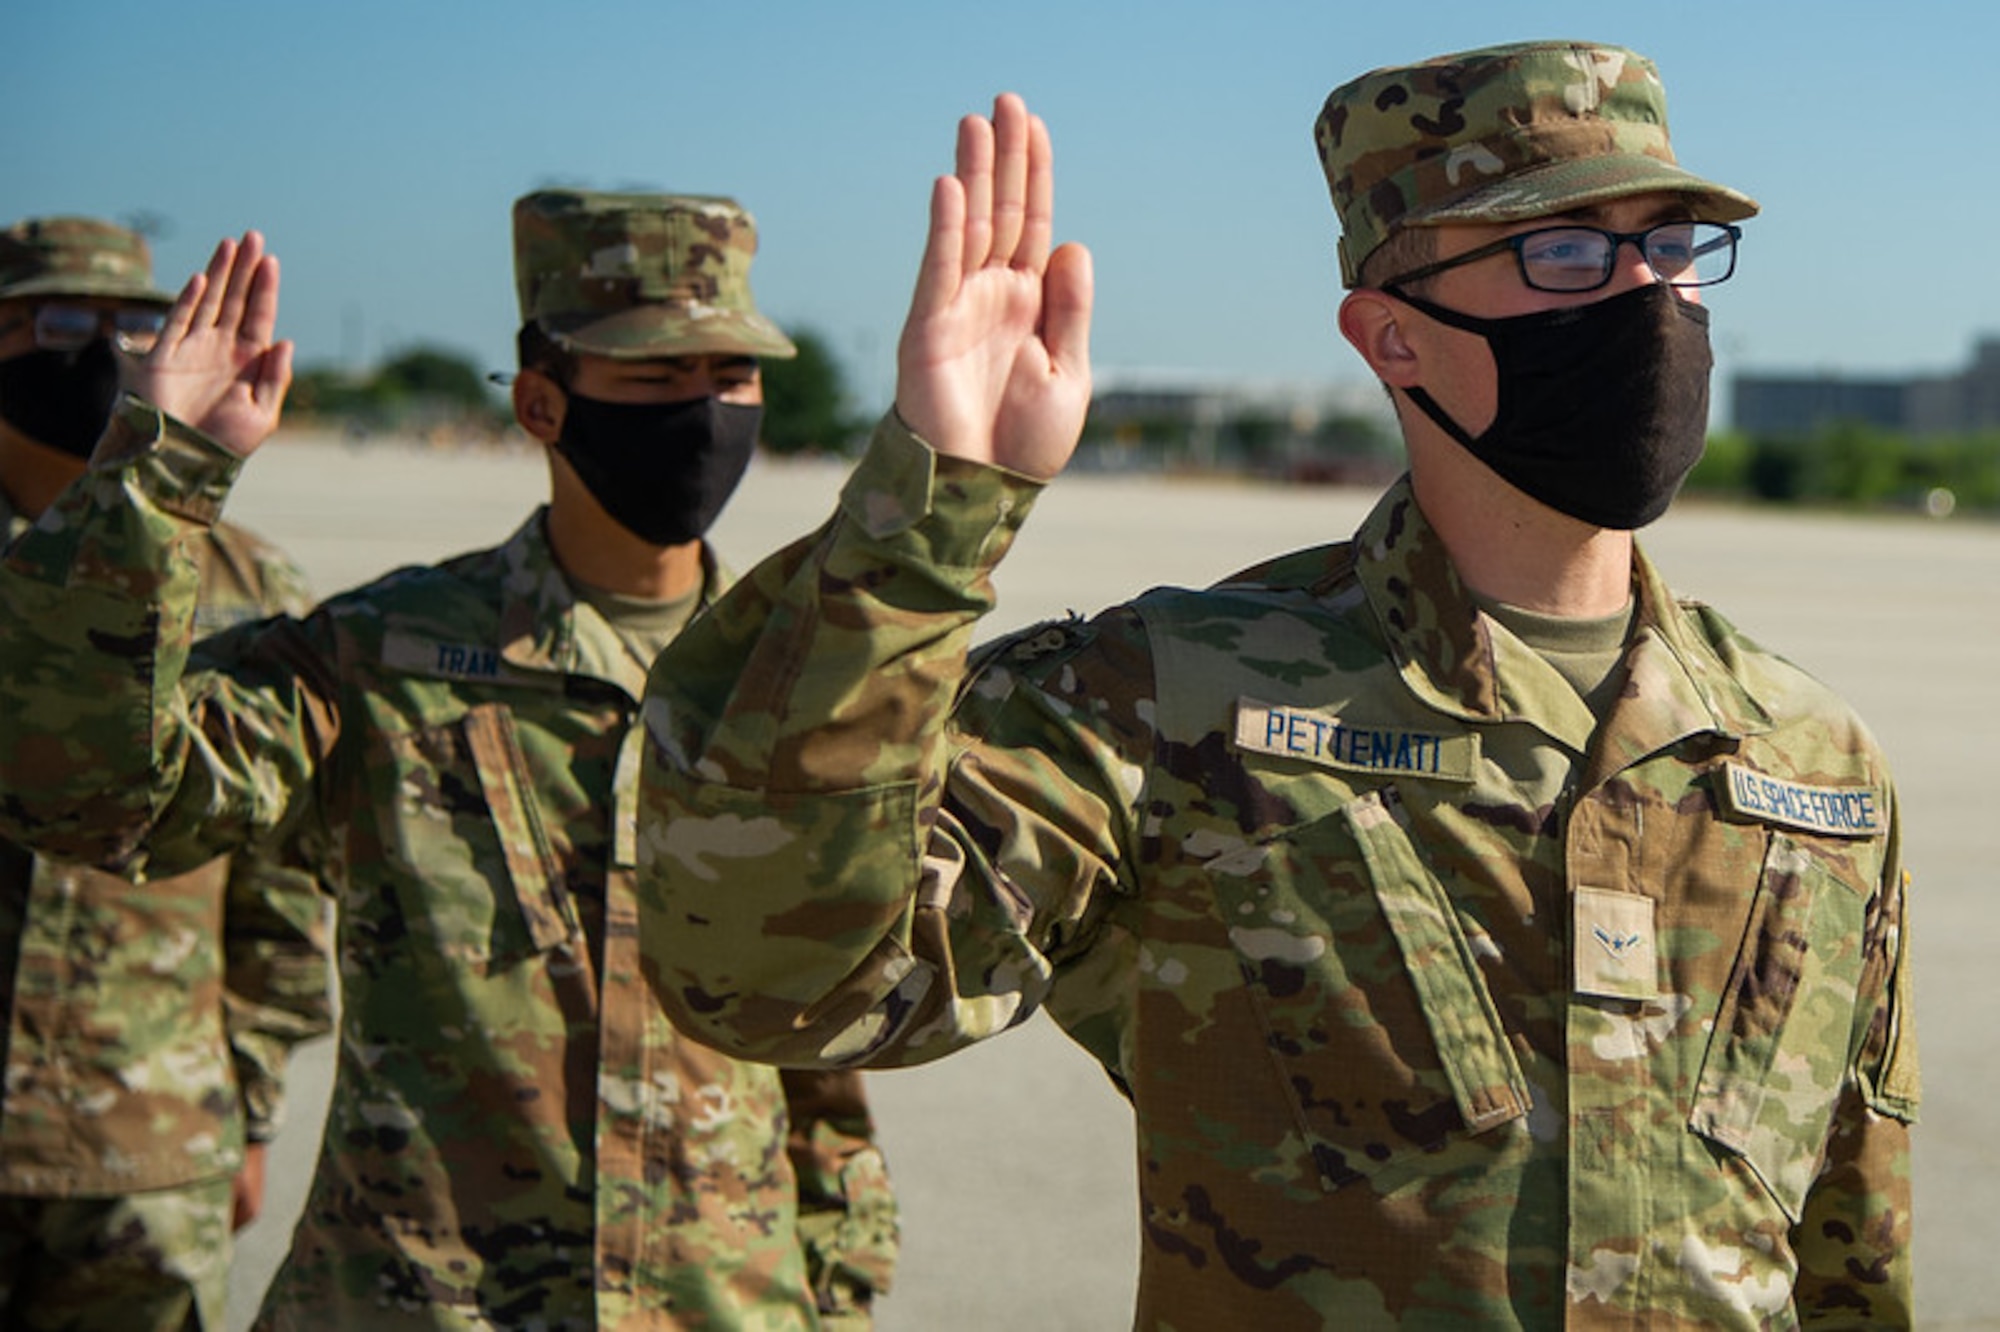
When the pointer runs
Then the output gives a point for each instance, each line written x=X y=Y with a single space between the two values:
x=1603 y=408
x=662 y=470
x=61 y=398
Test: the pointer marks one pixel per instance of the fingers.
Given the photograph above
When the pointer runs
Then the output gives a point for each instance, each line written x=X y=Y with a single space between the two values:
x=180 y=317
x=1010 y=177
x=1038 y=222
x=1005 y=179
x=260 y=306
x=1005 y=166
x=195 y=305
x=216 y=286
x=239 y=284
x=975 y=178
x=236 y=296
x=942 y=270
x=243 y=276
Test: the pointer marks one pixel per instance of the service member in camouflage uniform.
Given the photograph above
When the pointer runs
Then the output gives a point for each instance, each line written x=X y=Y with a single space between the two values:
x=146 y=1025
x=517 y=1137
x=1483 y=936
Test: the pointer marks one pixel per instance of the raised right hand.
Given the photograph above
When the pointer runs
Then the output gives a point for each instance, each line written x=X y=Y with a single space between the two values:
x=215 y=366
x=994 y=362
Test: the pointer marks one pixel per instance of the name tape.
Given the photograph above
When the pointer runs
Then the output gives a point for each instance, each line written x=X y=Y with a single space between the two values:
x=452 y=661
x=1332 y=742
x=1843 y=811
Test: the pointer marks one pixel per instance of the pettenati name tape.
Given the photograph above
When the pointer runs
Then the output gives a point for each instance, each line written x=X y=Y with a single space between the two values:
x=1333 y=742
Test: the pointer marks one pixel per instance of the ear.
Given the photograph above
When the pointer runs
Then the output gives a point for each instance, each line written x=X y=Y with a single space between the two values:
x=539 y=405
x=1370 y=320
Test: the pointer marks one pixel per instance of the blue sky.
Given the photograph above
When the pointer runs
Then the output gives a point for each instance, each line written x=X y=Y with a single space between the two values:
x=380 y=145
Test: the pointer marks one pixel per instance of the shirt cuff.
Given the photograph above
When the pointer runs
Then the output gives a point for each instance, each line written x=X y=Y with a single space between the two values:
x=965 y=513
x=177 y=468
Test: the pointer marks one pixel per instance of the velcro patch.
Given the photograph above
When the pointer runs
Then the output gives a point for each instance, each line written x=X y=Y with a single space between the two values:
x=1842 y=811
x=1616 y=950
x=1314 y=736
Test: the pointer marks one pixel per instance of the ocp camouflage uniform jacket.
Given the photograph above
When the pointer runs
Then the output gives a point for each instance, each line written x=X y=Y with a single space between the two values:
x=147 y=1026
x=517 y=1137
x=1437 y=1004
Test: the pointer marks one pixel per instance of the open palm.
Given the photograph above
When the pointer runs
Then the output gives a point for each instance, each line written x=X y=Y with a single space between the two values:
x=215 y=366
x=994 y=362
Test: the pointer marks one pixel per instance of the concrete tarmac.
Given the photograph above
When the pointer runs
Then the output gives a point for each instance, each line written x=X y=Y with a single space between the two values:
x=1014 y=1160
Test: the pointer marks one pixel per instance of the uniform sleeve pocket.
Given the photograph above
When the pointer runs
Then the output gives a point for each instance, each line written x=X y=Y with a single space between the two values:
x=1780 y=1049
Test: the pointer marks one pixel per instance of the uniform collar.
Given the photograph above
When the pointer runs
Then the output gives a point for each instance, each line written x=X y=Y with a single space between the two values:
x=1462 y=662
x=546 y=628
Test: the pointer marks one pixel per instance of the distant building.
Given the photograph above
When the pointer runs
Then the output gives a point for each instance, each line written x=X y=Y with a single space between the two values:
x=1777 y=405
x=1338 y=432
x=1792 y=405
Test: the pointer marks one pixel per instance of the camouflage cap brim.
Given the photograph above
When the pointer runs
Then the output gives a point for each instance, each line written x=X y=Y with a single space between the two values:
x=647 y=331
x=79 y=284
x=1562 y=186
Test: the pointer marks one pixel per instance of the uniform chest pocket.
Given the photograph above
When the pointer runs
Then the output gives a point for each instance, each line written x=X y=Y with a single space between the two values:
x=1371 y=1003
x=478 y=875
x=1782 y=1040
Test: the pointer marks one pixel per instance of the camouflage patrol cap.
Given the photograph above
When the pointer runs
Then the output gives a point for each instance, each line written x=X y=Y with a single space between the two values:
x=1501 y=134
x=76 y=256
x=640 y=275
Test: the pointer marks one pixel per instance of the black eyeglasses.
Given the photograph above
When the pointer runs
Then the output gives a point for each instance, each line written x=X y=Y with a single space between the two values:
x=1578 y=258
x=72 y=327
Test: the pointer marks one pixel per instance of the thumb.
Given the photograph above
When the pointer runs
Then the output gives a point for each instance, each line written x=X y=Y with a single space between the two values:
x=274 y=374
x=1067 y=293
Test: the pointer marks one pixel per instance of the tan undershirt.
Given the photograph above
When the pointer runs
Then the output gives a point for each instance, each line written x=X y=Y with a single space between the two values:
x=642 y=625
x=1584 y=651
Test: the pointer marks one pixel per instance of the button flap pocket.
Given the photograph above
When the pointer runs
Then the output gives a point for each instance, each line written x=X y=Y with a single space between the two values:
x=1486 y=1078
x=1783 y=1033
x=1386 y=1039
x=524 y=845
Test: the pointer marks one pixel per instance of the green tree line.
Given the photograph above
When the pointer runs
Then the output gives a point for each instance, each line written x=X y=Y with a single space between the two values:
x=807 y=408
x=1856 y=466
